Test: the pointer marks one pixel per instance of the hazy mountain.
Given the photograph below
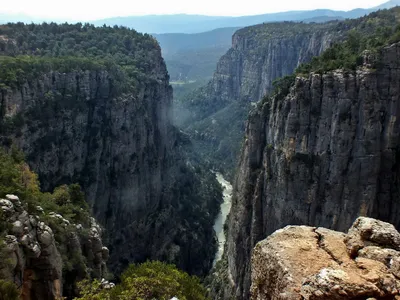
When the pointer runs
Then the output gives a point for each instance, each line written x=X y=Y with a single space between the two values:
x=197 y=23
x=173 y=42
x=194 y=56
x=6 y=18
x=322 y=19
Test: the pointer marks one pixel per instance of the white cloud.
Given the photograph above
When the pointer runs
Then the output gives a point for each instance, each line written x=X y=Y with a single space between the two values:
x=96 y=9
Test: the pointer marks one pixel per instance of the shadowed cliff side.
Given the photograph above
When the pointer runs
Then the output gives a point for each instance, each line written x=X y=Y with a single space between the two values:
x=104 y=123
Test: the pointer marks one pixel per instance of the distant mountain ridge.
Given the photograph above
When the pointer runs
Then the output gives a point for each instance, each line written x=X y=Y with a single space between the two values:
x=194 y=56
x=173 y=42
x=183 y=23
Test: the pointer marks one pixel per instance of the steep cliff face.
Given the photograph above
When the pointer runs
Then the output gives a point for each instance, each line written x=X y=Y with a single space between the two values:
x=215 y=114
x=262 y=53
x=124 y=153
x=104 y=123
x=322 y=154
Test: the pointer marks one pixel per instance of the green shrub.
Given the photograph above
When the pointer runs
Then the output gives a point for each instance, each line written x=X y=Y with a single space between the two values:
x=150 y=280
x=8 y=291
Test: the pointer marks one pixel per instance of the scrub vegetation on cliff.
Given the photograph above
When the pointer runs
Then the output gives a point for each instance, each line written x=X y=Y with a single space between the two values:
x=17 y=178
x=348 y=55
x=362 y=46
x=62 y=210
x=147 y=281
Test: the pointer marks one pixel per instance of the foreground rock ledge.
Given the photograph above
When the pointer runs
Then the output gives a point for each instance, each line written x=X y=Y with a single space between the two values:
x=301 y=262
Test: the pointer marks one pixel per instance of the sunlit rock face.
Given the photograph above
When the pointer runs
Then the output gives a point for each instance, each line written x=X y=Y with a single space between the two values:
x=301 y=262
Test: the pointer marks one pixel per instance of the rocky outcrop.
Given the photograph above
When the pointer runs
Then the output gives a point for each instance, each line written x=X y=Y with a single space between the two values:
x=35 y=260
x=300 y=262
x=321 y=155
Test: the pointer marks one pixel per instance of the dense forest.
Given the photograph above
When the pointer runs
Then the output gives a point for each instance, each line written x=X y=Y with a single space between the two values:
x=34 y=48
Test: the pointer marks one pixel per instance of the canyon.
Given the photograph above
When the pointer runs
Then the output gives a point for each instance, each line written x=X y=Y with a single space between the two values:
x=92 y=108
x=78 y=122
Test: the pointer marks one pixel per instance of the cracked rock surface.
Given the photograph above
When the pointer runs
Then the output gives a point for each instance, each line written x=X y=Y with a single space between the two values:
x=301 y=262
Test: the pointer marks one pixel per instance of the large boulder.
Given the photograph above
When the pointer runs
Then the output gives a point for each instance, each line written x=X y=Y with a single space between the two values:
x=301 y=262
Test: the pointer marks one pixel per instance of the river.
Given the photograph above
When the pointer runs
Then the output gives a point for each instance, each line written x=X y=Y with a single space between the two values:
x=221 y=219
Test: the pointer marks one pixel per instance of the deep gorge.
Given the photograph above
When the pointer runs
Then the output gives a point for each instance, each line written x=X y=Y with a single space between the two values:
x=90 y=111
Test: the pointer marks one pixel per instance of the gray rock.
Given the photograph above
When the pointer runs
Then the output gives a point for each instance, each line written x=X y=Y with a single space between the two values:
x=13 y=198
x=35 y=250
x=45 y=238
x=105 y=253
x=16 y=202
x=17 y=229
x=7 y=207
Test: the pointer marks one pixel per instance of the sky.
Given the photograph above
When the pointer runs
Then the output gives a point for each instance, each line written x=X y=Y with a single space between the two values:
x=85 y=10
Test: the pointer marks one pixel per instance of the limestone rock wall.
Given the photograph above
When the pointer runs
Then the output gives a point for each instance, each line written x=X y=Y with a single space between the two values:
x=123 y=150
x=215 y=114
x=322 y=155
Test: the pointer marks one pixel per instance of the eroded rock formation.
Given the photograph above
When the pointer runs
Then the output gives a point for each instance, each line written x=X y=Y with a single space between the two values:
x=34 y=260
x=301 y=262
